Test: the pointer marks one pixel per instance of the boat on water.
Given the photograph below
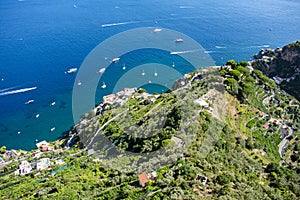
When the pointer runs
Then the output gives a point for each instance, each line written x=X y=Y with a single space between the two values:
x=149 y=82
x=143 y=73
x=101 y=71
x=37 y=115
x=53 y=103
x=29 y=101
x=103 y=86
x=71 y=70
x=155 y=73
x=124 y=67
x=157 y=30
x=19 y=132
x=79 y=83
x=178 y=40
x=115 y=60
x=52 y=129
x=173 y=65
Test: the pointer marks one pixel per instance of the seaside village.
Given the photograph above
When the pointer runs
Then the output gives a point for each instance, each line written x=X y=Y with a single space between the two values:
x=36 y=162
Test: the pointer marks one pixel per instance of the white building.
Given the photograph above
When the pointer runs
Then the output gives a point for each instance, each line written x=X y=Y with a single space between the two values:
x=42 y=164
x=24 y=168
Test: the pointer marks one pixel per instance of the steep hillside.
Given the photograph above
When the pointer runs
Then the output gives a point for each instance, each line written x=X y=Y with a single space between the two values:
x=226 y=132
x=283 y=65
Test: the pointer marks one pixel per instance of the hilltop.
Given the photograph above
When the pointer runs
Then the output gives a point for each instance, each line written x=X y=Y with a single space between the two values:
x=227 y=133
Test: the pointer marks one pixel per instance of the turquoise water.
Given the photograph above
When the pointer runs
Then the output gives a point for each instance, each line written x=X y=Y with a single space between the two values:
x=40 y=40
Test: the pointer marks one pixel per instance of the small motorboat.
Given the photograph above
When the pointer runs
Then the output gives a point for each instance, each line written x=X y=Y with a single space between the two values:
x=71 y=70
x=115 y=60
x=29 y=101
x=101 y=71
x=179 y=40
x=157 y=30
x=143 y=73
x=124 y=67
x=52 y=129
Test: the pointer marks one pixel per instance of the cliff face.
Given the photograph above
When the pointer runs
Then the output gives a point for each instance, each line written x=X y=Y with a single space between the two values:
x=282 y=65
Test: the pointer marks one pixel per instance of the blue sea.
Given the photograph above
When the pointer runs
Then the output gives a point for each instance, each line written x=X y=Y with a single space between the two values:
x=40 y=40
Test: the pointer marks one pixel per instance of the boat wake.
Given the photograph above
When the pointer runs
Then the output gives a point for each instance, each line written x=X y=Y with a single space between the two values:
x=10 y=88
x=183 y=52
x=260 y=46
x=124 y=23
x=185 y=7
x=210 y=51
x=8 y=91
x=220 y=47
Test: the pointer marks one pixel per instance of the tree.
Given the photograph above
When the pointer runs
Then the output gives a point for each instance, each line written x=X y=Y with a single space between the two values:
x=2 y=149
x=230 y=63
x=235 y=73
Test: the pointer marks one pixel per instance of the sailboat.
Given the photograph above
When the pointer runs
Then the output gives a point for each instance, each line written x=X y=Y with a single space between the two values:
x=103 y=86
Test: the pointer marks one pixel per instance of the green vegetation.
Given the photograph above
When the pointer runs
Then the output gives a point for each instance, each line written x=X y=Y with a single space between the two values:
x=230 y=149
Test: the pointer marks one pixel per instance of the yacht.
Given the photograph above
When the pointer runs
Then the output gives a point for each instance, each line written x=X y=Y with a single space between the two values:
x=124 y=67
x=29 y=101
x=143 y=73
x=71 y=70
x=179 y=40
x=103 y=86
x=115 y=60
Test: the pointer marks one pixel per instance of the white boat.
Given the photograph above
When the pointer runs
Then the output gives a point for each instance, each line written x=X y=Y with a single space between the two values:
x=36 y=140
x=29 y=101
x=178 y=40
x=79 y=83
x=143 y=73
x=102 y=70
x=19 y=132
x=149 y=82
x=155 y=74
x=115 y=60
x=103 y=86
x=157 y=30
x=71 y=70
x=74 y=6
x=52 y=129
x=53 y=103
x=173 y=65
x=37 y=116
x=124 y=67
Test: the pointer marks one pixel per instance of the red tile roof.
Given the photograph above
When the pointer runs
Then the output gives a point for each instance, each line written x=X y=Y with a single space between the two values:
x=143 y=179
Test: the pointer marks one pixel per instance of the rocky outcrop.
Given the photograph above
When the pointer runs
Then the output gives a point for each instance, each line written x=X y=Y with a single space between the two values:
x=282 y=65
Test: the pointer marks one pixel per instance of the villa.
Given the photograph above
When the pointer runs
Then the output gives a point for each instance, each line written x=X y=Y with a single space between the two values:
x=24 y=168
